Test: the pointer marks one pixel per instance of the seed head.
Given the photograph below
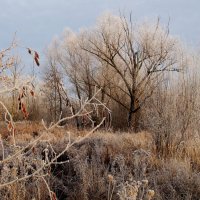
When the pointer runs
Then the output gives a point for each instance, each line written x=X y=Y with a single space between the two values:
x=150 y=194
x=110 y=178
x=145 y=182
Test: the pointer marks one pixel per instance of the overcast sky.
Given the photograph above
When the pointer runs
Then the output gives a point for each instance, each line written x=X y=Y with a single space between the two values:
x=38 y=21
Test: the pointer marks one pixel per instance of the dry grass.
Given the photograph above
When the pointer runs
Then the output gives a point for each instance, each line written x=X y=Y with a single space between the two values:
x=127 y=157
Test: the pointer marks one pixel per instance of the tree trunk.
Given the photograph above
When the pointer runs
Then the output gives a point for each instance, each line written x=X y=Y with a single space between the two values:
x=136 y=125
x=134 y=116
x=130 y=114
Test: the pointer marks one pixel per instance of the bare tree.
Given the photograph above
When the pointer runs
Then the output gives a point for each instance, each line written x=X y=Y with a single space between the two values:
x=126 y=60
x=79 y=69
x=77 y=64
x=137 y=55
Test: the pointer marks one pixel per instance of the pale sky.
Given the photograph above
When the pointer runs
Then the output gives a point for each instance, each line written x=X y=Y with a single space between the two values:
x=38 y=21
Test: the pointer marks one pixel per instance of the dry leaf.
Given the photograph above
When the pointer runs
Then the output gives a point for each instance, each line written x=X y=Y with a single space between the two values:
x=37 y=61
x=29 y=51
x=10 y=126
x=53 y=196
x=32 y=92
x=36 y=55
x=24 y=111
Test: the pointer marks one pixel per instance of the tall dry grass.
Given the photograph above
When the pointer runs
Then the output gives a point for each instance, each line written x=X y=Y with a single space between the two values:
x=110 y=166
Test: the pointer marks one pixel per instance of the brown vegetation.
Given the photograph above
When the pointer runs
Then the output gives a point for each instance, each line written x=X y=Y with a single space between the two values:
x=124 y=157
x=116 y=116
